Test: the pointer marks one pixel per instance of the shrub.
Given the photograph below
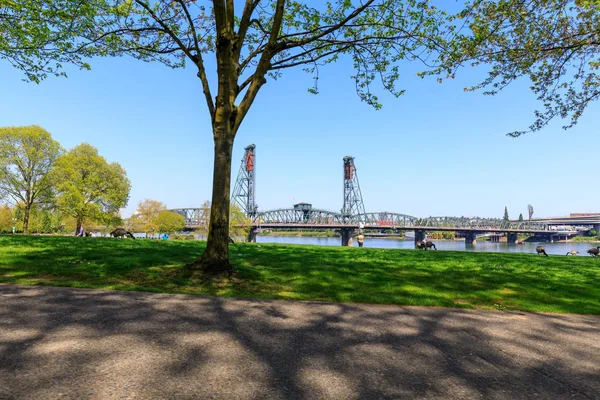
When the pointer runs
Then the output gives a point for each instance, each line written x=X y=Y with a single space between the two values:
x=592 y=232
x=176 y=236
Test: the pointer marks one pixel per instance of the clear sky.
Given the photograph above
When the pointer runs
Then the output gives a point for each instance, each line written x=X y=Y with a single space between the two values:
x=435 y=151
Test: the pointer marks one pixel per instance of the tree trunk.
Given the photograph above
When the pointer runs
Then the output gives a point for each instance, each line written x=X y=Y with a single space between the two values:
x=26 y=219
x=215 y=260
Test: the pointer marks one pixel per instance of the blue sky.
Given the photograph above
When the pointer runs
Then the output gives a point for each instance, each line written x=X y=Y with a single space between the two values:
x=435 y=151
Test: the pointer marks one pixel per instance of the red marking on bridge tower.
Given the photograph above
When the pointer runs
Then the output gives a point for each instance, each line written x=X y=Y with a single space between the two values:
x=249 y=159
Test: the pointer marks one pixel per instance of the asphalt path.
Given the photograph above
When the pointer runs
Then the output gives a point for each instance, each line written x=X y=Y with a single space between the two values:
x=63 y=343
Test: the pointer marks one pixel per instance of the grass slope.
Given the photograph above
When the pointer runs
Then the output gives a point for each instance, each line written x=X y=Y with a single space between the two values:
x=505 y=281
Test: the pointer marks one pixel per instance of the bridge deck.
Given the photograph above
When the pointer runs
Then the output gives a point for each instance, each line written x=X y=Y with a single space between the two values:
x=401 y=228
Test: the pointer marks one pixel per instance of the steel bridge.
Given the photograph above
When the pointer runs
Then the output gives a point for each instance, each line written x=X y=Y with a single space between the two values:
x=352 y=215
x=384 y=220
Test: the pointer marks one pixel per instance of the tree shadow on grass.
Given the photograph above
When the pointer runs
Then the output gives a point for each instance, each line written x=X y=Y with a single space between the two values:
x=103 y=344
x=383 y=276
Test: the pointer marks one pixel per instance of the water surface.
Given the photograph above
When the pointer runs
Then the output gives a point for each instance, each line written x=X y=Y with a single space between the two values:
x=529 y=247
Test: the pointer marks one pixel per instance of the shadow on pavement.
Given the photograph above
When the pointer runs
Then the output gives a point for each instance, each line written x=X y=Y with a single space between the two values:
x=102 y=344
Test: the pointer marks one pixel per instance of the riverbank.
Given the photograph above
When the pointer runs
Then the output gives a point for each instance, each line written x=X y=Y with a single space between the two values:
x=504 y=281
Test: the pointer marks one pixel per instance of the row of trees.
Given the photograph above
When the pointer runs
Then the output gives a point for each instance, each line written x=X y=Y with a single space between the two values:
x=553 y=43
x=38 y=177
x=529 y=210
x=152 y=216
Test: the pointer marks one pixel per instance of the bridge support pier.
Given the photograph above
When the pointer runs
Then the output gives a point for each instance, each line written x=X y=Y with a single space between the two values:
x=419 y=235
x=512 y=237
x=252 y=235
x=597 y=227
x=470 y=238
x=346 y=234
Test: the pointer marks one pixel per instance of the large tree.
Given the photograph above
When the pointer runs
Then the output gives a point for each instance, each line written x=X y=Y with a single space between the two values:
x=251 y=42
x=88 y=187
x=169 y=222
x=27 y=154
x=554 y=43
x=146 y=214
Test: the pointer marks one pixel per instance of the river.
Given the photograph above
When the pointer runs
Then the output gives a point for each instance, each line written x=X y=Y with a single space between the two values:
x=529 y=247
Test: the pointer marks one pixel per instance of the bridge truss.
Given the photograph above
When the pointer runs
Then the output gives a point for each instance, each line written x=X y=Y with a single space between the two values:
x=480 y=223
x=245 y=184
x=296 y=216
x=194 y=217
x=352 y=212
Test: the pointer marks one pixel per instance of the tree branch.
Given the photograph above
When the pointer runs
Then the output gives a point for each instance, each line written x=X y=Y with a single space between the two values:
x=245 y=22
x=167 y=30
x=288 y=45
x=263 y=65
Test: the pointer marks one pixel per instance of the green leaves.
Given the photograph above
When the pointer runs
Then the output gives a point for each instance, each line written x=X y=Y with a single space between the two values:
x=27 y=154
x=87 y=186
x=169 y=222
x=553 y=43
x=38 y=36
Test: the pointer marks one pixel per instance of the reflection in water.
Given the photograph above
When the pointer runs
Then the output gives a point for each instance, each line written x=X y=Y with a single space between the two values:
x=551 y=248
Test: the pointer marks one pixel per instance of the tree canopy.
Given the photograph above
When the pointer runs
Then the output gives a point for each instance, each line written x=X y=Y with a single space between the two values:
x=88 y=186
x=6 y=222
x=27 y=154
x=553 y=43
x=36 y=36
x=146 y=213
x=169 y=222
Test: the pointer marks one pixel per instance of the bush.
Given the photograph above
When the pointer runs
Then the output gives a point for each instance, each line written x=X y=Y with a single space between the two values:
x=592 y=232
x=176 y=236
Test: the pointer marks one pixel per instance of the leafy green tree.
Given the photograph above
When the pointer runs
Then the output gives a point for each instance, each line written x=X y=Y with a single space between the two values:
x=239 y=223
x=505 y=218
x=6 y=221
x=146 y=214
x=88 y=187
x=553 y=43
x=27 y=154
x=37 y=35
x=18 y=213
x=521 y=217
x=38 y=221
x=169 y=222
x=251 y=42
x=135 y=223
x=530 y=210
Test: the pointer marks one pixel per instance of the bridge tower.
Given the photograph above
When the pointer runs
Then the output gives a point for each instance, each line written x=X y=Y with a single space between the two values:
x=353 y=201
x=245 y=184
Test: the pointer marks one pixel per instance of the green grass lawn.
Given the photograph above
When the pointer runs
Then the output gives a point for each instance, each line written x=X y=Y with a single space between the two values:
x=505 y=281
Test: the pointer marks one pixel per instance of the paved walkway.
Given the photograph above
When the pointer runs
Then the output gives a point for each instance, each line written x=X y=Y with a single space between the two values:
x=86 y=344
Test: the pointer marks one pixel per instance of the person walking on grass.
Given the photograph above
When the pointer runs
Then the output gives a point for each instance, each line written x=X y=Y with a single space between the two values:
x=360 y=239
